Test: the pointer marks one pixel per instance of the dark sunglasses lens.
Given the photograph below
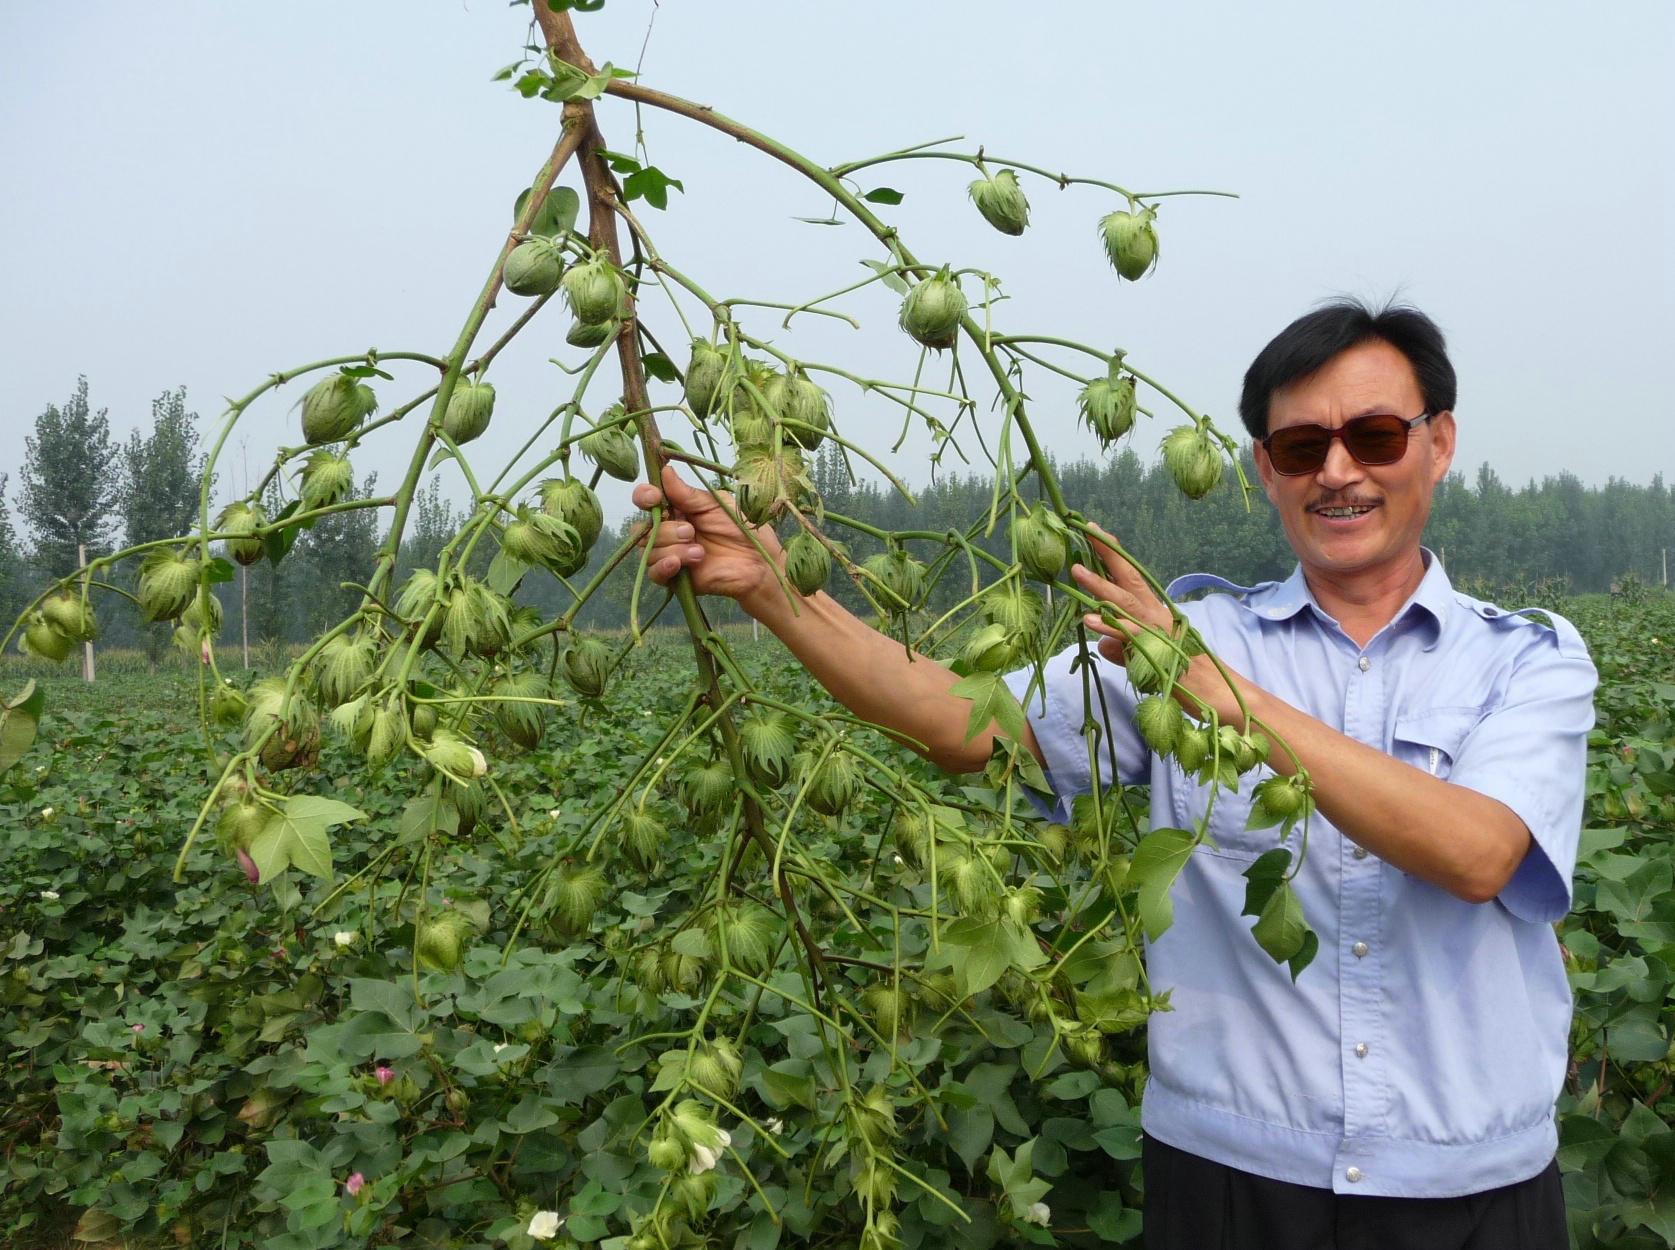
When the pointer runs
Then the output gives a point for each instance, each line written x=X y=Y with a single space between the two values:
x=1298 y=448
x=1376 y=440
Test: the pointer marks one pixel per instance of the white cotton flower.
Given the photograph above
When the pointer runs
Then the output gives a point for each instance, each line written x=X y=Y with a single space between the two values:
x=725 y=1137
x=1038 y=1213
x=775 y=1126
x=46 y=812
x=479 y=765
x=702 y=1159
x=344 y=938
x=543 y=1225
x=50 y=896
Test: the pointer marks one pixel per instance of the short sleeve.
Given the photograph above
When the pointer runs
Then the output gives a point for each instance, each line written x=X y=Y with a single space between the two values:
x=1530 y=752
x=1082 y=709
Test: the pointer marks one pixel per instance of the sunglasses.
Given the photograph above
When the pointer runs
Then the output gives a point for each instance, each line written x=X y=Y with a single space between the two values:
x=1380 y=438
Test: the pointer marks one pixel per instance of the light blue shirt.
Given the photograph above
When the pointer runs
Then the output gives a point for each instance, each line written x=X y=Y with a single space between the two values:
x=1421 y=1053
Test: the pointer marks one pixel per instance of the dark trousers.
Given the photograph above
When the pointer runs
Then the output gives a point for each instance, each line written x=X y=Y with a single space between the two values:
x=1194 y=1204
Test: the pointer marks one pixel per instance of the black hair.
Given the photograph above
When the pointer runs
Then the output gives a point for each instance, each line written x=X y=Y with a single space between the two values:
x=1315 y=338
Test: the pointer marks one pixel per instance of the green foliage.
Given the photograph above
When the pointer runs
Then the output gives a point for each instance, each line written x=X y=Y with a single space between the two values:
x=69 y=488
x=1617 y=1144
x=530 y=1078
x=286 y=1042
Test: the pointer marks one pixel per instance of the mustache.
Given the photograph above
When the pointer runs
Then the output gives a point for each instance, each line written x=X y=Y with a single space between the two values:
x=1341 y=499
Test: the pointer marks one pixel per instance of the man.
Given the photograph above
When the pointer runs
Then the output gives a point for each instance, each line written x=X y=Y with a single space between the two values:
x=1400 y=1092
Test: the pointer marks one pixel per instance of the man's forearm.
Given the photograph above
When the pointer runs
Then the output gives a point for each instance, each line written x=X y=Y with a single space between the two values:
x=875 y=676
x=1452 y=836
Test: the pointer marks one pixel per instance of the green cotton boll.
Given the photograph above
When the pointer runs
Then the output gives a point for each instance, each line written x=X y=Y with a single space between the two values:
x=71 y=615
x=538 y=538
x=591 y=334
x=1042 y=543
x=239 y=521
x=612 y=448
x=333 y=407
x=41 y=638
x=517 y=710
x=594 y=289
x=468 y=411
x=900 y=576
x=1002 y=202
x=574 y=502
x=1130 y=242
x=326 y=478
x=706 y=377
x=643 y=839
x=1151 y=661
x=1013 y=605
x=807 y=563
x=533 y=267
x=168 y=584
x=1108 y=407
x=802 y=408
x=932 y=311
x=768 y=742
x=1193 y=459
x=830 y=785
x=708 y=789
x=992 y=649
x=587 y=666
x=1160 y=722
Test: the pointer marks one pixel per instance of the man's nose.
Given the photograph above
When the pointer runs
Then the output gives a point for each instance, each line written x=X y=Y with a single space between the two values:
x=1339 y=469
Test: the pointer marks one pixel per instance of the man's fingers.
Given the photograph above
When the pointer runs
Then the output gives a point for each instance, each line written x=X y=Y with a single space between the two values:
x=1105 y=547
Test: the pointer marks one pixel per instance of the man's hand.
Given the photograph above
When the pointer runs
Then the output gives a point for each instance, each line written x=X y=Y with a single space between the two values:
x=1138 y=606
x=698 y=534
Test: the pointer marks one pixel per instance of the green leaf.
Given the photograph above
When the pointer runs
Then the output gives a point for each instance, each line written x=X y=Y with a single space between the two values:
x=992 y=703
x=296 y=834
x=651 y=184
x=1265 y=876
x=20 y=716
x=278 y=543
x=556 y=216
x=883 y=195
x=890 y=275
x=660 y=367
x=505 y=572
x=530 y=1114
x=1280 y=929
x=1156 y=862
x=979 y=952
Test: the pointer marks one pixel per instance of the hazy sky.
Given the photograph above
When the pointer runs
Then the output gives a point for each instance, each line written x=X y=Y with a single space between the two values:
x=203 y=193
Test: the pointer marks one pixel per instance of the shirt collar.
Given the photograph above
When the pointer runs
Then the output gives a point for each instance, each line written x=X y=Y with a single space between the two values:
x=1427 y=607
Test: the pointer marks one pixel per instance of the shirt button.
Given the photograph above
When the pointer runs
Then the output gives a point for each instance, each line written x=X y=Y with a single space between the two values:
x=1363 y=664
x=1360 y=852
x=1352 y=1175
x=1359 y=950
x=1360 y=1050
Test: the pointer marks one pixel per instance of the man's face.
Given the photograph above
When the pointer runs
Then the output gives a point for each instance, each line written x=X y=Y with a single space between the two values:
x=1356 y=525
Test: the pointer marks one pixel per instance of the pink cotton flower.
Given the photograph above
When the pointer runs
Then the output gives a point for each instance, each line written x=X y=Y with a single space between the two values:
x=138 y=1028
x=384 y=1074
x=354 y=1183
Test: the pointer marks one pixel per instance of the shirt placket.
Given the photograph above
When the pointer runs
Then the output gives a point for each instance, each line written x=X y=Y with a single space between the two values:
x=1361 y=954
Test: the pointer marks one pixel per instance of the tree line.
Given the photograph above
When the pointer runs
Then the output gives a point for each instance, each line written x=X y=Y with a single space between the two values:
x=81 y=493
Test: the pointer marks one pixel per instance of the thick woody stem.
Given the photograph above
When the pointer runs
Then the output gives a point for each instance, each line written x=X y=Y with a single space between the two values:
x=603 y=201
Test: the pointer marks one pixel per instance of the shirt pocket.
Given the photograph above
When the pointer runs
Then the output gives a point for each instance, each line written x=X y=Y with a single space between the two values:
x=1431 y=740
x=1228 y=818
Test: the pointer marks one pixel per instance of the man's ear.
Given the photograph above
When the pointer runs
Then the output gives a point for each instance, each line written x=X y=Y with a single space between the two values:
x=1264 y=468
x=1442 y=445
